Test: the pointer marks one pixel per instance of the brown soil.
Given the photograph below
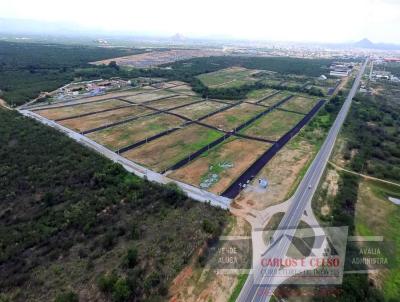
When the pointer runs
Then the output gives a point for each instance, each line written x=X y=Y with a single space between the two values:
x=4 y=104
x=189 y=286
x=58 y=113
x=282 y=173
x=97 y=120
x=240 y=152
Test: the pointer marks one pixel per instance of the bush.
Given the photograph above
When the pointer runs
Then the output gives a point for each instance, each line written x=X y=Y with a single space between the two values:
x=121 y=291
x=67 y=297
x=106 y=282
x=131 y=258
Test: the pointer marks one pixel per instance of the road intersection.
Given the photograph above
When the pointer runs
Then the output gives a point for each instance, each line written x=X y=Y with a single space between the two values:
x=260 y=287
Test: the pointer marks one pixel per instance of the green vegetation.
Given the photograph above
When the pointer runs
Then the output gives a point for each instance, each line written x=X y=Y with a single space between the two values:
x=26 y=69
x=371 y=132
x=235 y=294
x=373 y=129
x=71 y=219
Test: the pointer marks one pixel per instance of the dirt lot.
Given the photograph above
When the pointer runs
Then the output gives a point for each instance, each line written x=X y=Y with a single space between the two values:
x=198 y=110
x=58 y=113
x=123 y=135
x=110 y=95
x=172 y=102
x=273 y=125
x=300 y=104
x=276 y=98
x=233 y=117
x=155 y=58
x=152 y=95
x=216 y=169
x=168 y=150
x=281 y=172
x=93 y=121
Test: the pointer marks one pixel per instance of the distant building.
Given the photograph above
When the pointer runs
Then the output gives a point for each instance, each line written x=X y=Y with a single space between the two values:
x=341 y=69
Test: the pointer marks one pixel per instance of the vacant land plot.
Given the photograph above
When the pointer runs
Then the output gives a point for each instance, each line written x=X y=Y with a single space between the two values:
x=172 y=102
x=233 y=117
x=150 y=96
x=170 y=149
x=300 y=104
x=258 y=94
x=185 y=89
x=59 y=102
x=155 y=58
x=123 y=135
x=229 y=77
x=198 y=110
x=165 y=85
x=273 y=125
x=59 y=113
x=96 y=120
x=219 y=167
x=276 y=98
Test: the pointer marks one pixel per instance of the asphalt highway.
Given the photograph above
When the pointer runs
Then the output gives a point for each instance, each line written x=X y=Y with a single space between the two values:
x=259 y=286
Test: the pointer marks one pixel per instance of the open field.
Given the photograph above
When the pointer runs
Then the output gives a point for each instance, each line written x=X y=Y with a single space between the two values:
x=256 y=95
x=217 y=168
x=273 y=125
x=162 y=153
x=283 y=172
x=151 y=95
x=59 y=113
x=276 y=98
x=300 y=104
x=96 y=120
x=54 y=102
x=155 y=58
x=198 y=110
x=172 y=102
x=376 y=216
x=123 y=135
x=185 y=89
x=229 y=77
x=233 y=117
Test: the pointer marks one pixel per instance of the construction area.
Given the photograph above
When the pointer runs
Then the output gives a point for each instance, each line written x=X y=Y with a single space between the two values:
x=217 y=146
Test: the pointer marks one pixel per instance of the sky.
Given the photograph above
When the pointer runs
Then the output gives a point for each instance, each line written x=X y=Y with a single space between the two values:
x=277 y=20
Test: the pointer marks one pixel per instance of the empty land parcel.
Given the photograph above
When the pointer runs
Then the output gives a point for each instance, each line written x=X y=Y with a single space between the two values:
x=207 y=143
x=229 y=77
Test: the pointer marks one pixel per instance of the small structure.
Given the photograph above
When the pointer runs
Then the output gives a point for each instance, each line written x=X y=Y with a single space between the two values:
x=322 y=77
x=263 y=183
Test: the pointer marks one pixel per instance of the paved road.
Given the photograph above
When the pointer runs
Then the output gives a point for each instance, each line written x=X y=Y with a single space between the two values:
x=193 y=192
x=259 y=287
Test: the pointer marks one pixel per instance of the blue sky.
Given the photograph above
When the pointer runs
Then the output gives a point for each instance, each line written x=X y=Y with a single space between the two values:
x=278 y=20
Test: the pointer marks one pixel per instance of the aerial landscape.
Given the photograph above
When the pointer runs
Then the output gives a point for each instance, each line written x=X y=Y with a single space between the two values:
x=168 y=161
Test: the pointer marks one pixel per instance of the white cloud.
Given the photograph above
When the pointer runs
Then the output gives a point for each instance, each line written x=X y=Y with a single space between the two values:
x=306 y=20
